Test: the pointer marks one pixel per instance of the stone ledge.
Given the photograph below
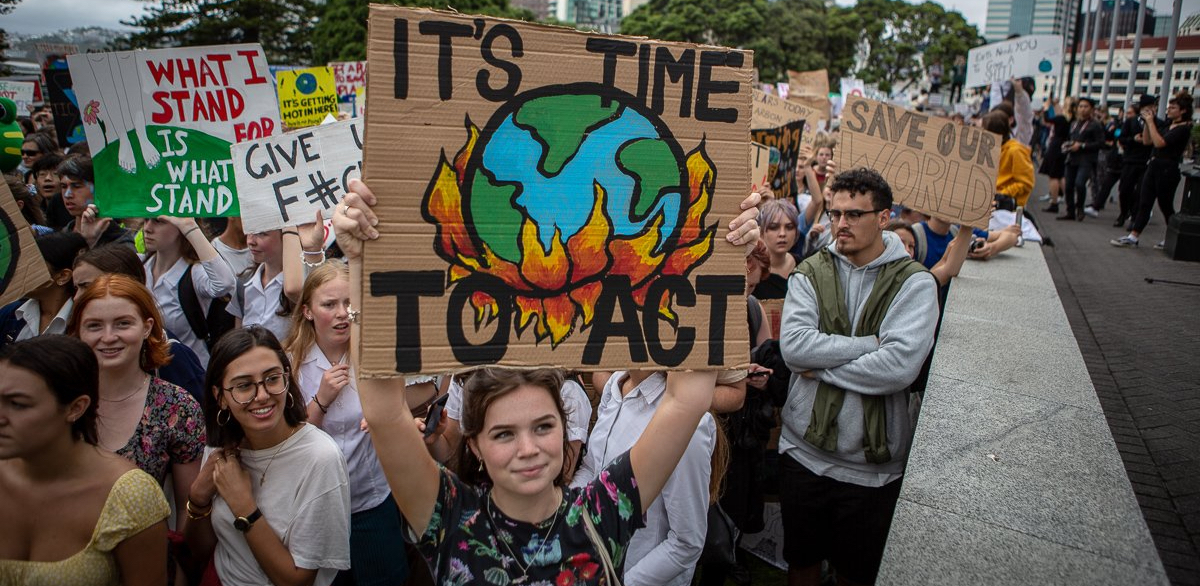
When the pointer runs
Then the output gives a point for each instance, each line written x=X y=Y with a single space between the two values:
x=1014 y=476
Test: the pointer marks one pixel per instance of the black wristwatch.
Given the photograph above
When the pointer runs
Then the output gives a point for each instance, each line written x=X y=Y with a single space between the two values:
x=244 y=524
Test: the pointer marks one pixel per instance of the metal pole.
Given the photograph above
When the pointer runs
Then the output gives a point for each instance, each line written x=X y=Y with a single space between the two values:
x=1112 y=43
x=1095 y=49
x=1087 y=21
x=1166 y=84
x=1067 y=87
x=1137 y=49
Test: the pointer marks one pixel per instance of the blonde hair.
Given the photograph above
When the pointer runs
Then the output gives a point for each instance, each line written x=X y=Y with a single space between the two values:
x=303 y=335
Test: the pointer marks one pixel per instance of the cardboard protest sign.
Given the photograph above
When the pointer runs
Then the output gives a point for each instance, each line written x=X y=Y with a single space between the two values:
x=788 y=139
x=933 y=165
x=159 y=125
x=852 y=86
x=551 y=197
x=809 y=83
x=764 y=163
x=773 y=112
x=350 y=77
x=44 y=50
x=306 y=96
x=774 y=310
x=20 y=92
x=61 y=98
x=21 y=266
x=1026 y=56
x=284 y=180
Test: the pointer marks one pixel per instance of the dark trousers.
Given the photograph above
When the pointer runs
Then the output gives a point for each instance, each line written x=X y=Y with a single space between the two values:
x=1108 y=180
x=1158 y=184
x=1078 y=173
x=1127 y=192
x=955 y=92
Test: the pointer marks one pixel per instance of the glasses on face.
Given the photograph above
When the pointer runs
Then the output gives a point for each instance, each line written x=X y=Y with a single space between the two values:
x=244 y=392
x=852 y=216
x=30 y=153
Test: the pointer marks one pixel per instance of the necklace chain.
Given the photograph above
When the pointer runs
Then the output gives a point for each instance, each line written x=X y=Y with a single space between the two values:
x=524 y=567
x=145 y=380
x=263 y=478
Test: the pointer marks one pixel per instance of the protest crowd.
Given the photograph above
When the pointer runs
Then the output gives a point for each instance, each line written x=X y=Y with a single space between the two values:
x=179 y=402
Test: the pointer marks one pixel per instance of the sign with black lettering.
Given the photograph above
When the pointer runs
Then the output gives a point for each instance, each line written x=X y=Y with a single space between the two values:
x=160 y=123
x=1024 y=56
x=22 y=268
x=933 y=165
x=551 y=197
x=764 y=163
x=787 y=139
x=285 y=180
x=772 y=111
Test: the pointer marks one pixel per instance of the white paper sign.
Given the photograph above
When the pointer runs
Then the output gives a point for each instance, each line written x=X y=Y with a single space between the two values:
x=20 y=92
x=1027 y=56
x=285 y=180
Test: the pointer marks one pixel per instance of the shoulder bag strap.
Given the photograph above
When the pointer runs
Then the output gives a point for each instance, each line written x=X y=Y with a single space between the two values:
x=609 y=571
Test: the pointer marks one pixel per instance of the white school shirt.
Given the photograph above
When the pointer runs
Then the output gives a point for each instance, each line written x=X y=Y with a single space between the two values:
x=575 y=403
x=31 y=312
x=239 y=259
x=368 y=485
x=666 y=550
x=306 y=501
x=262 y=303
x=211 y=278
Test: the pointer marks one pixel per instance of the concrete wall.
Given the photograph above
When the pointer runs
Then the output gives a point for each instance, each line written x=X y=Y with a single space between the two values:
x=1014 y=477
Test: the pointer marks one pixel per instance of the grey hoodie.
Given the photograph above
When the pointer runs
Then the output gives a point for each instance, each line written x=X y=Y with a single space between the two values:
x=859 y=364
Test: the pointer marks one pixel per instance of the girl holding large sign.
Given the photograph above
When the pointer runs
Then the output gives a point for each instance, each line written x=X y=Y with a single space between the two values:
x=527 y=527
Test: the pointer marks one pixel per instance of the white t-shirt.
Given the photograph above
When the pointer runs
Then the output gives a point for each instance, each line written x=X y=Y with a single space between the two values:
x=306 y=501
x=262 y=304
x=239 y=259
x=575 y=402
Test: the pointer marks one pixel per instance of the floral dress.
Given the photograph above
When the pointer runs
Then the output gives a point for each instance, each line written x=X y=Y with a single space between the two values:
x=171 y=431
x=470 y=542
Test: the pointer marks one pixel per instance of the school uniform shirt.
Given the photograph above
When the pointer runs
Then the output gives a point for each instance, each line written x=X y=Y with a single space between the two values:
x=575 y=403
x=262 y=304
x=211 y=278
x=304 y=497
x=239 y=259
x=31 y=312
x=666 y=550
x=368 y=485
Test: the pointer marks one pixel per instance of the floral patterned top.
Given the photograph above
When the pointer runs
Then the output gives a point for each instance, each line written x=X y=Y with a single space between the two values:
x=171 y=431
x=461 y=545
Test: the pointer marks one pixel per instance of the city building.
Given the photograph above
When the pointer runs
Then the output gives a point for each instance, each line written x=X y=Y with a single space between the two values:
x=1028 y=17
x=543 y=9
x=599 y=15
x=1126 y=18
x=1151 y=63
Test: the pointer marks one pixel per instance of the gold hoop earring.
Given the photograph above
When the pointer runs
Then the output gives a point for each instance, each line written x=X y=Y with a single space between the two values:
x=228 y=415
x=290 y=400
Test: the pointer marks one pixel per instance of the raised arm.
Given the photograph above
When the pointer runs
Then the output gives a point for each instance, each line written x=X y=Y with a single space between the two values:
x=657 y=452
x=411 y=472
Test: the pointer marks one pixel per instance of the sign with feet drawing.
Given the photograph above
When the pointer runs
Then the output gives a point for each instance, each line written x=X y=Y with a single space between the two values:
x=160 y=123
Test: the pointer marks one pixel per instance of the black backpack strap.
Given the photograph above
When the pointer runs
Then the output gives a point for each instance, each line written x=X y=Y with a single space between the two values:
x=190 y=303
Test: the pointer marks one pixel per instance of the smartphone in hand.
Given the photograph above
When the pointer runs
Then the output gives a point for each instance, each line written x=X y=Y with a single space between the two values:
x=434 y=416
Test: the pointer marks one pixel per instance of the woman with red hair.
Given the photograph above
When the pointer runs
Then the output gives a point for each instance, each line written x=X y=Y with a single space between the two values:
x=156 y=424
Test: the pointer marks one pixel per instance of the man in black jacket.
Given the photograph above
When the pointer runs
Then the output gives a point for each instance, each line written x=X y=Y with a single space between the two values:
x=1082 y=148
x=1133 y=163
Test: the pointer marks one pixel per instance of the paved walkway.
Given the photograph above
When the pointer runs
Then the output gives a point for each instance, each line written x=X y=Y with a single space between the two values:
x=1141 y=343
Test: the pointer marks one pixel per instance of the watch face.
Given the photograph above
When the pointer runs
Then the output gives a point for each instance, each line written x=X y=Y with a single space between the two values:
x=241 y=524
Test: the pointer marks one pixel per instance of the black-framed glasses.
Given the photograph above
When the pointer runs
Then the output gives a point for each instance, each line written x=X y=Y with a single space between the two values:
x=852 y=216
x=30 y=153
x=245 y=391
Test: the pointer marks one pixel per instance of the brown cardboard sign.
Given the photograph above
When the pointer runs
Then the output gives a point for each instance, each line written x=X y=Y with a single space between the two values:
x=551 y=197
x=764 y=163
x=21 y=266
x=772 y=112
x=808 y=83
x=933 y=165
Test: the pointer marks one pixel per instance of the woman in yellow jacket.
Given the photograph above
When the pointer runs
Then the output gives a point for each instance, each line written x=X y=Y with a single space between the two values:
x=1015 y=176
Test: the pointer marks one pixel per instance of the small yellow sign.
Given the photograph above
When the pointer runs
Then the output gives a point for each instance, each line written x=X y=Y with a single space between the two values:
x=306 y=96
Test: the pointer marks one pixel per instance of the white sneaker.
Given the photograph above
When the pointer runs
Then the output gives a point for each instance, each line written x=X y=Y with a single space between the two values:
x=1044 y=197
x=1125 y=242
x=1091 y=212
x=1161 y=245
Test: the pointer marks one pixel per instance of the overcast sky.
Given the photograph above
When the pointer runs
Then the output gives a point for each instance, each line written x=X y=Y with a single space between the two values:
x=40 y=16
